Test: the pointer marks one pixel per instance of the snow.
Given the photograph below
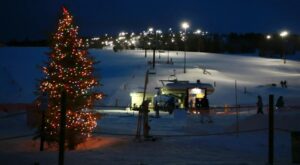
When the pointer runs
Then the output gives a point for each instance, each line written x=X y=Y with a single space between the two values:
x=182 y=139
x=122 y=73
x=19 y=73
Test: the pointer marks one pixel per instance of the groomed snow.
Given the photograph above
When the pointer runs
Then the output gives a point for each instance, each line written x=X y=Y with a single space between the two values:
x=182 y=139
x=124 y=72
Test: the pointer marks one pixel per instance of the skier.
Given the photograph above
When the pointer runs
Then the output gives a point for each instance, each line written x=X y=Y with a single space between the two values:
x=191 y=103
x=204 y=111
x=197 y=105
x=281 y=84
x=284 y=84
x=156 y=109
x=259 y=105
x=279 y=103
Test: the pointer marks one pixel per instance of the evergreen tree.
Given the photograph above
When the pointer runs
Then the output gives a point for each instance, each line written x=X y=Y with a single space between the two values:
x=69 y=69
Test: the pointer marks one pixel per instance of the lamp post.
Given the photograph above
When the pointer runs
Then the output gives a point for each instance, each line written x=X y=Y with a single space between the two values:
x=185 y=26
x=150 y=31
x=157 y=32
x=283 y=35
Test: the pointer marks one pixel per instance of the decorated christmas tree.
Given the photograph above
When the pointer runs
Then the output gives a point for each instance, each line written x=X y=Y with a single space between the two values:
x=69 y=69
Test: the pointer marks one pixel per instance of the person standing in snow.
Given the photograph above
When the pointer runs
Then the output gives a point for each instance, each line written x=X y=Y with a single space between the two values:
x=191 y=103
x=156 y=109
x=197 y=104
x=204 y=110
x=279 y=103
x=281 y=84
x=259 y=105
x=284 y=84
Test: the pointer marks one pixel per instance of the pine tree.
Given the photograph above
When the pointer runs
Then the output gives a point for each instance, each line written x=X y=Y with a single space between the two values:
x=70 y=69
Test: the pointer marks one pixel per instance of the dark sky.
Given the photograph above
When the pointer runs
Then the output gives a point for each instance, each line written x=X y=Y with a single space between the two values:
x=36 y=19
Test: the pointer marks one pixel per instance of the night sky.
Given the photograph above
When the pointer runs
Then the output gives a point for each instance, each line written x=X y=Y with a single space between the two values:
x=37 y=19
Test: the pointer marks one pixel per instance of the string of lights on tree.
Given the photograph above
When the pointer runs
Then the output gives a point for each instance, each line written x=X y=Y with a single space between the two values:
x=69 y=69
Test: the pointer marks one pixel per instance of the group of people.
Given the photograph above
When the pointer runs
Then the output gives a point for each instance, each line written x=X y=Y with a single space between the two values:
x=279 y=104
x=283 y=84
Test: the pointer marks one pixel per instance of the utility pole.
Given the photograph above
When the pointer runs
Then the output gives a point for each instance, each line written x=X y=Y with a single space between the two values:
x=143 y=112
x=185 y=25
x=141 y=109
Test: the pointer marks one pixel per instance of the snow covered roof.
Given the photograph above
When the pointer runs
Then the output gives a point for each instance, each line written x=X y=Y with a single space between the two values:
x=186 y=85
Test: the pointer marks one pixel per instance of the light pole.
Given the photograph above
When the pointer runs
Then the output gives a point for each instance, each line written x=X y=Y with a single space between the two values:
x=184 y=25
x=283 y=35
x=150 y=31
x=157 y=32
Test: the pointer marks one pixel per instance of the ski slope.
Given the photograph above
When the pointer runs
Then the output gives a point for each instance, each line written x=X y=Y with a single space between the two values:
x=124 y=72
x=182 y=139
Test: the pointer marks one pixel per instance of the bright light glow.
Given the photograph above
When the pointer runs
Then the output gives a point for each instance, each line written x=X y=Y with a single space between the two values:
x=145 y=33
x=158 y=31
x=96 y=38
x=150 y=30
x=122 y=33
x=268 y=37
x=185 y=25
x=284 y=33
x=121 y=38
x=195 y=91
x=198 y=31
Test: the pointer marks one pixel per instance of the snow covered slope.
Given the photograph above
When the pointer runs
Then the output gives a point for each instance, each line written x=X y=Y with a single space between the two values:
x=183 y=139
x=124 y=72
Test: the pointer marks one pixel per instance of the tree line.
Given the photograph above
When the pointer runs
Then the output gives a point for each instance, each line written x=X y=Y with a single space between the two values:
x=233 y=43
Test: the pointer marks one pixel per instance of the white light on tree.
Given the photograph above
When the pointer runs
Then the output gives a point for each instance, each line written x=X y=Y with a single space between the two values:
x=268 y=37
